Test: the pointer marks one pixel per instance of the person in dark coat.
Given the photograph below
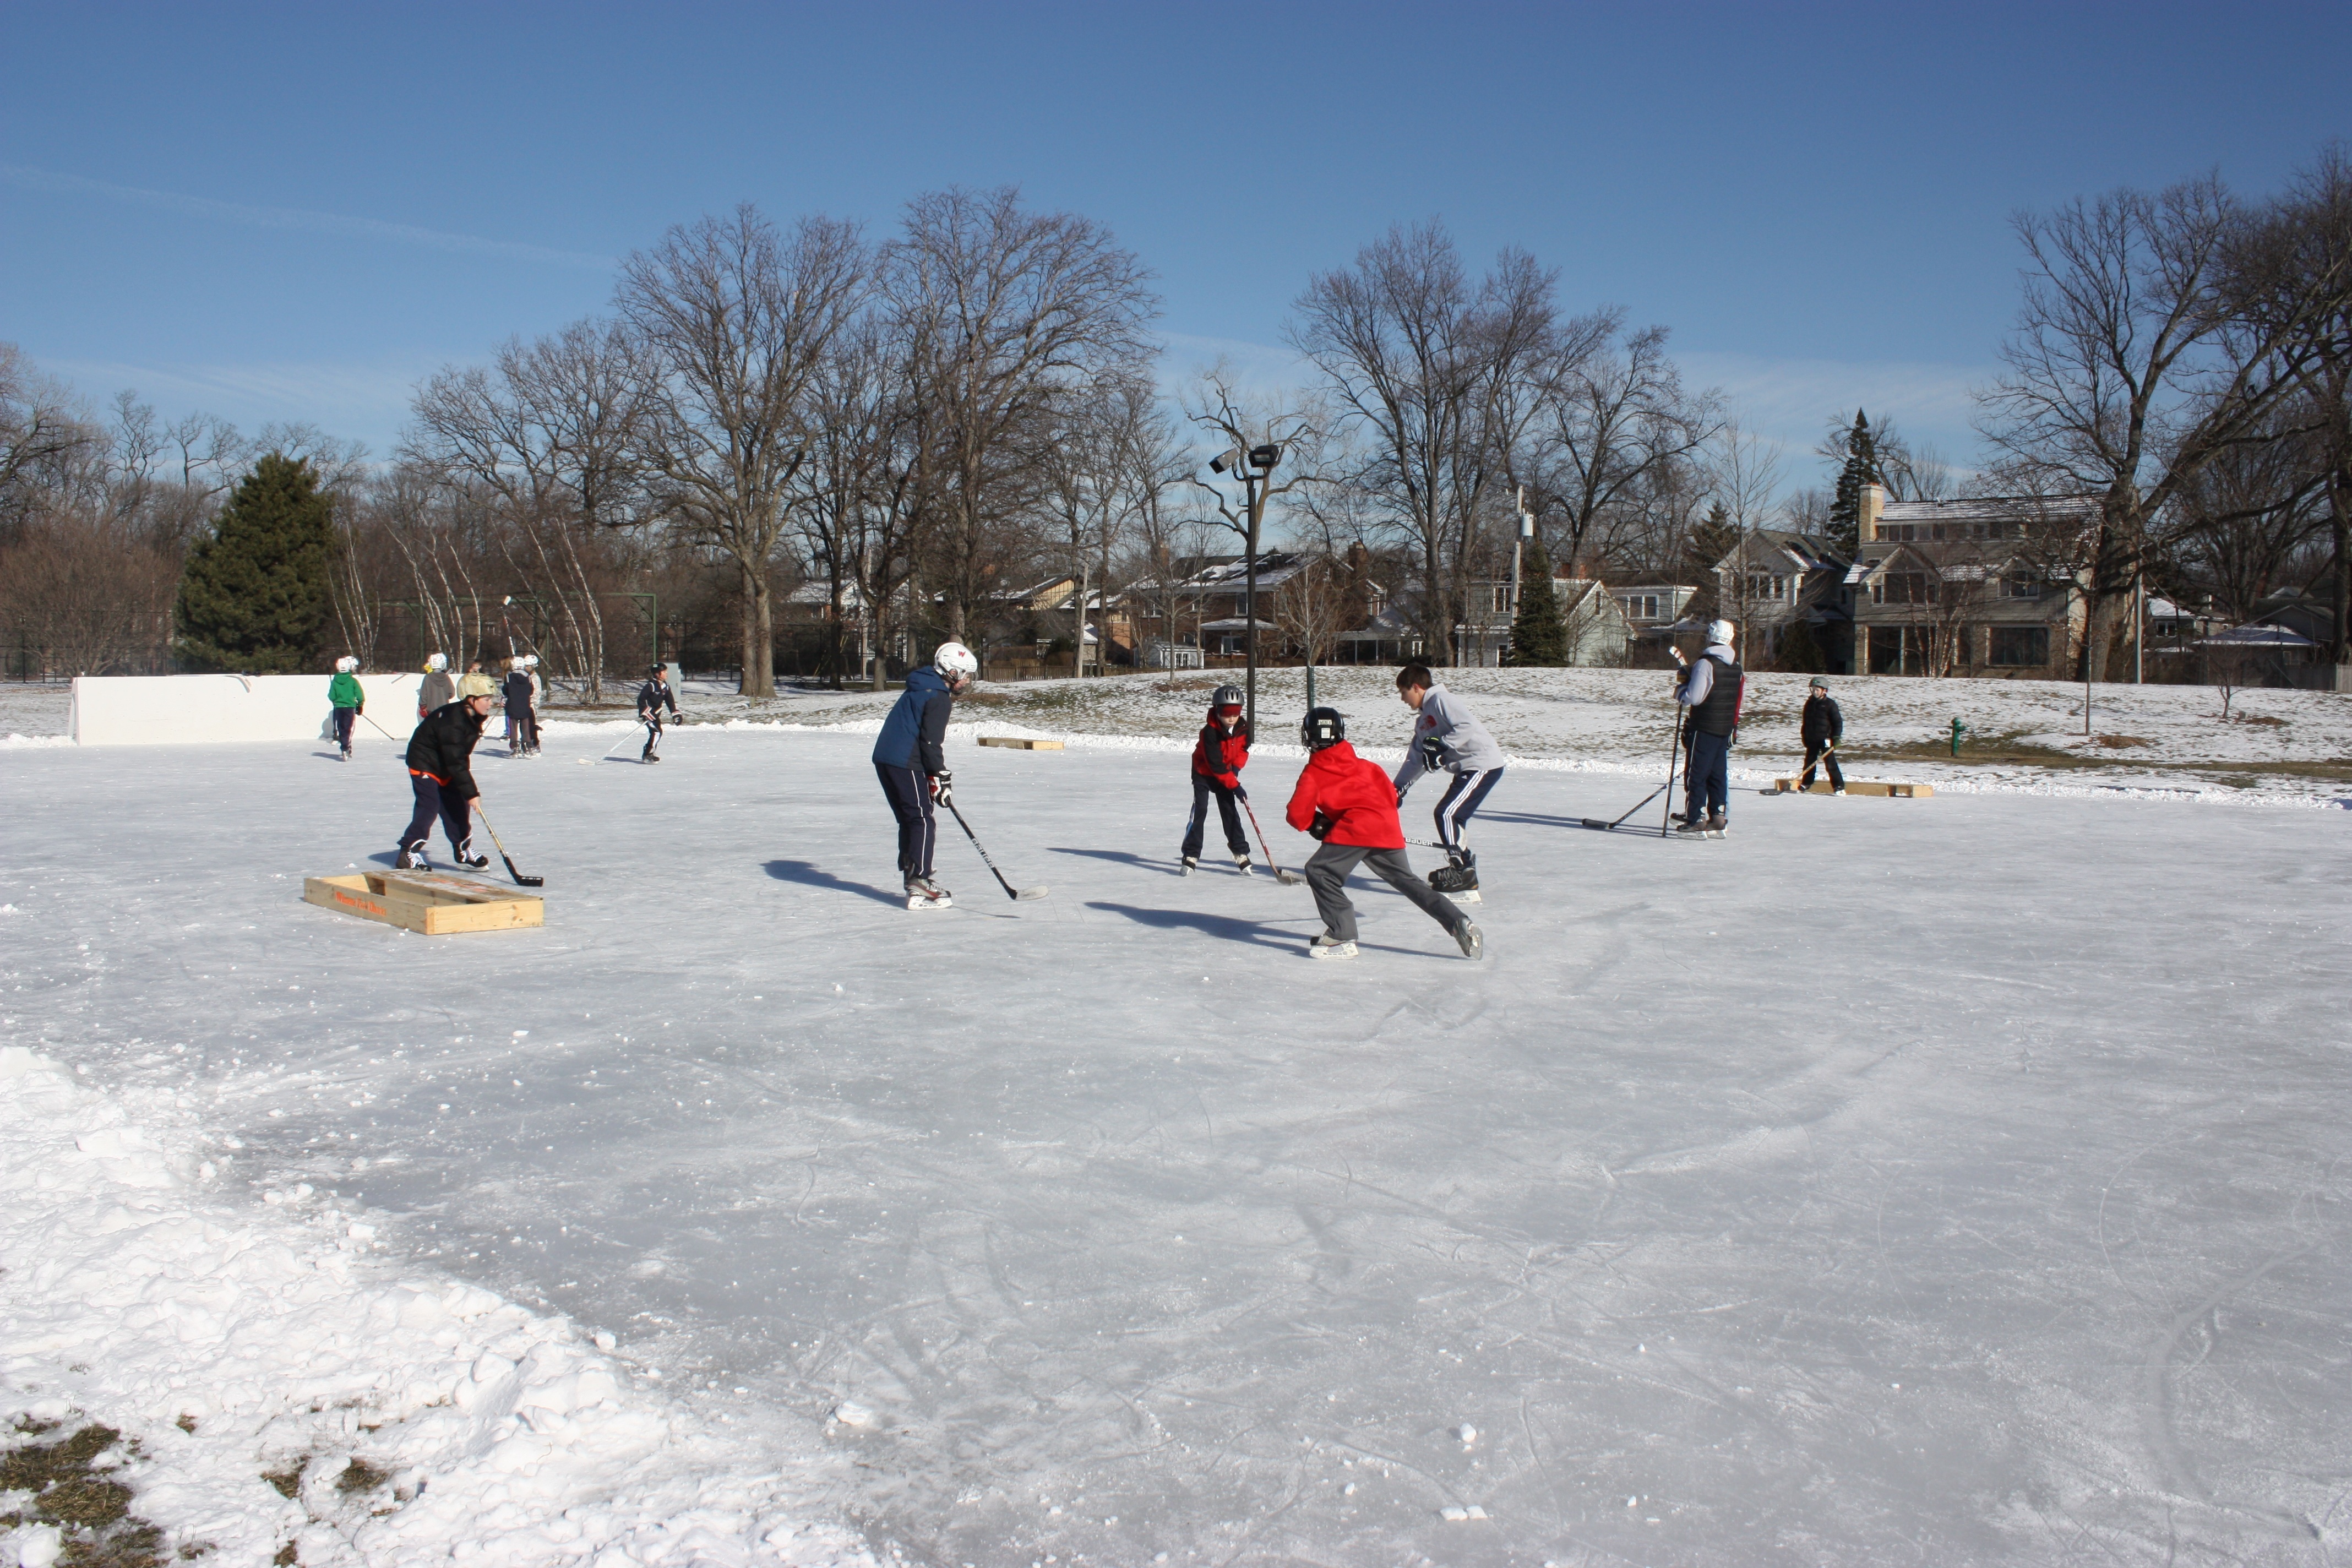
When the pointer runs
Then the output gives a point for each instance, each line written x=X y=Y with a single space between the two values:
x=1823 y=727
x=1711 y=689
x=523 y=724
x=441 y=774
x=1218 y=759
x=911 y=758
x=651 y=697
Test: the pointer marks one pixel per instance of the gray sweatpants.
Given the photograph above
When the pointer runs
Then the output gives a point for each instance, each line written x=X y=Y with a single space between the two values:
x=1328 y=869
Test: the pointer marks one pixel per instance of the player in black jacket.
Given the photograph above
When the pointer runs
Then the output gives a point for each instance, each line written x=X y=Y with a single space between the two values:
x=1823 y=728
x=651 y=695
x=441 y=769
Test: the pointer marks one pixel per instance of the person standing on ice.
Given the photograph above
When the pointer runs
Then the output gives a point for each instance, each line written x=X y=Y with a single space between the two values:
x=349 y=700
x=1822 y=728
x=441 y=773
x=436 y=690
x=522 y=725
x=1350 y=804
x=911 y=758
x=1445 y=736
x=1218 y=759
x=1710 y=690
x=651 y=695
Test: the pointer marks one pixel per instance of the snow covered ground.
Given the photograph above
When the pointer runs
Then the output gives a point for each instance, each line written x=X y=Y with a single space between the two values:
x=1957 y=1180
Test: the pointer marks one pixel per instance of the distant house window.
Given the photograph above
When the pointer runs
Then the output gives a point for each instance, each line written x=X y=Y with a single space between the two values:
x=1642 y=607
x=2019 y=647
x=1761 y=585
x=2021 y=587
x=1904 y=588
x=1502 y=598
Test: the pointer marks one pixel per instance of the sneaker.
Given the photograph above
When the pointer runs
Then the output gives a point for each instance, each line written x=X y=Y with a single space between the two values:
x=1472 y=942
x=1718 y=825
x=1329 y=946
x=411 y=860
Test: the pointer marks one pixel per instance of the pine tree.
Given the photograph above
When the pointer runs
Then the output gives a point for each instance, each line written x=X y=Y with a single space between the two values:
x=1710 y=541
x=254 y=597
x=1539 y=635
x=1798 y=653
x=1861 y=468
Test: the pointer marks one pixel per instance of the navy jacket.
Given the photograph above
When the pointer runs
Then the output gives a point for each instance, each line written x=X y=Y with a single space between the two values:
x=912 y=736
x=652 y=695
x=442 y=747
x=517 y=690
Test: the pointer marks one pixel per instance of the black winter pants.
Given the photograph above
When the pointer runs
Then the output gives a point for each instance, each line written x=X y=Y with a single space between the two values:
x=1327 y=874
x=432 y=801
x=910 y=794
x=344 y=719
x=1821 y=751
x=1228 y=812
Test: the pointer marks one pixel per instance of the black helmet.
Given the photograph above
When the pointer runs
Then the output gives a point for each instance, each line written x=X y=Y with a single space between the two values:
x=656 y=670
x=1322 y=728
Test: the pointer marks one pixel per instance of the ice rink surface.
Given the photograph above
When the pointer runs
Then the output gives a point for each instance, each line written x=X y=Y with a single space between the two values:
x=1948 y=1182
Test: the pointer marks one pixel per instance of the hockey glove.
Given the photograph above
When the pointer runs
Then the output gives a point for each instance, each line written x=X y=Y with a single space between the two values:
x=1318 y=828
x=1433 y=755
x=943 y=789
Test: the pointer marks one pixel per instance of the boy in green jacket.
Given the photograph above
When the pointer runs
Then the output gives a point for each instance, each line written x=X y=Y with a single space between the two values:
x=349 y=701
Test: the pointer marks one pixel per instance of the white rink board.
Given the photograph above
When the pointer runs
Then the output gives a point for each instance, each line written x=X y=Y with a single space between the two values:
x=192 y=710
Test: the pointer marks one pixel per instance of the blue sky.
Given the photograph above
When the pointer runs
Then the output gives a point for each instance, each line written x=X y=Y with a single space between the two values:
x=282 y=213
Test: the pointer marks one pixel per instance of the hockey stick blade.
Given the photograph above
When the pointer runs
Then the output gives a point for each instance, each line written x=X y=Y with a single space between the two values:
x=1028 y=894
x=1596 y=822
x=520 y=881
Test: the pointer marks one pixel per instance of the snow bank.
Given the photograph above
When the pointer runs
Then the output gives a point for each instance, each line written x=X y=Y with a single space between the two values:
x=230 y=1346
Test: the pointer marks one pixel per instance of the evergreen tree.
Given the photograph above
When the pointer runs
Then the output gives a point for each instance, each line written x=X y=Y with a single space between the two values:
x=1539 y=635
x=254 y=597
x=1799 y=653
x=1861 y=468
x=1710 y=541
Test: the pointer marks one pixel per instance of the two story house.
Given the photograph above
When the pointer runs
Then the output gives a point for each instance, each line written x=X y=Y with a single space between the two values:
x=1964 y=587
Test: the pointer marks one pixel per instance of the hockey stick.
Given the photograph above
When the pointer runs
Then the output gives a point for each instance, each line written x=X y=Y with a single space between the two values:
x=1010 y=890
x=1288 y=879
x=1666 y=789
x=520 y=881
x=381 y=731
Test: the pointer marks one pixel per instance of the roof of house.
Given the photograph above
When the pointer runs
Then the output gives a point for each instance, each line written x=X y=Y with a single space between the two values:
x=1989 y=509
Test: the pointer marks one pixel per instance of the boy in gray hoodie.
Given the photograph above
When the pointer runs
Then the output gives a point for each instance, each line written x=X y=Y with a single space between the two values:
x=1447 y=737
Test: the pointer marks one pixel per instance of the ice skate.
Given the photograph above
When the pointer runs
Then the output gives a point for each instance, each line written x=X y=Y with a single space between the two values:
x=1691 y=827
x=922 y=893
x=1718 y=825
x=1329 y=946
x=1242 y=863
x=1472 y=942
x=411 y=860
x=469 y=858
x=1190 y=862
x=1457 y=880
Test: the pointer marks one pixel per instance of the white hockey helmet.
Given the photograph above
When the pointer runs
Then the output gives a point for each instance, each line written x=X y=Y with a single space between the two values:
x=1719 y=632
x=530 y=662
x=955 y=661
x=437 y=663
x=347 y=664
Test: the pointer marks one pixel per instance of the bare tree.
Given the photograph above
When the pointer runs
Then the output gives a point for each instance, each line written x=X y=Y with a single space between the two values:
x=1744 y=474
x=2130 y=370
x=735 y=319
x=1442 y=374
x=1001 y=309
x=1614 y=416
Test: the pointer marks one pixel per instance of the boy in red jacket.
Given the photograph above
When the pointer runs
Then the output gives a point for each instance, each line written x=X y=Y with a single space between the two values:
x=1351 y=806
x=1217 y=764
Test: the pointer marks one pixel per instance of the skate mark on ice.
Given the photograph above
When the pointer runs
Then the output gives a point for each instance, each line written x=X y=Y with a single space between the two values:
x=810 y=876
x=1226 y=928
x=1123 y=857
x=2155 y=1406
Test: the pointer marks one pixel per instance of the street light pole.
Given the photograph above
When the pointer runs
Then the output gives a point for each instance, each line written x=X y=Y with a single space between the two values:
x=1255 y=467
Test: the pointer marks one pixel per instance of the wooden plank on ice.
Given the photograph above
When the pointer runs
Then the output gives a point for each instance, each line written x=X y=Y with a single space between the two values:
x=426 y=901
x=1863 y=786
x=1019 y=745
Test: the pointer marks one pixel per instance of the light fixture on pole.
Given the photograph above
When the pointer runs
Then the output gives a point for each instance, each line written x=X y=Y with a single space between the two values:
x=1254 y=468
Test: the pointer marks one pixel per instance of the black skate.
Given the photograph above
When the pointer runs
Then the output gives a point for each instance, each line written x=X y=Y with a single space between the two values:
x=411 y=859
x=468 y=858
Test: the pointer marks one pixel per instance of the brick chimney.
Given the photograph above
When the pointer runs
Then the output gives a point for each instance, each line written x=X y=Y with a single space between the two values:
x=1874 y=506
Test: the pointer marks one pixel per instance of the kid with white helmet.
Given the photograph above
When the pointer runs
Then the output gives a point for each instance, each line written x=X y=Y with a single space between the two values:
x=349 y=700
x=1710 y=692
x=523 y=724
x=910 y=760
x=437 y=690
